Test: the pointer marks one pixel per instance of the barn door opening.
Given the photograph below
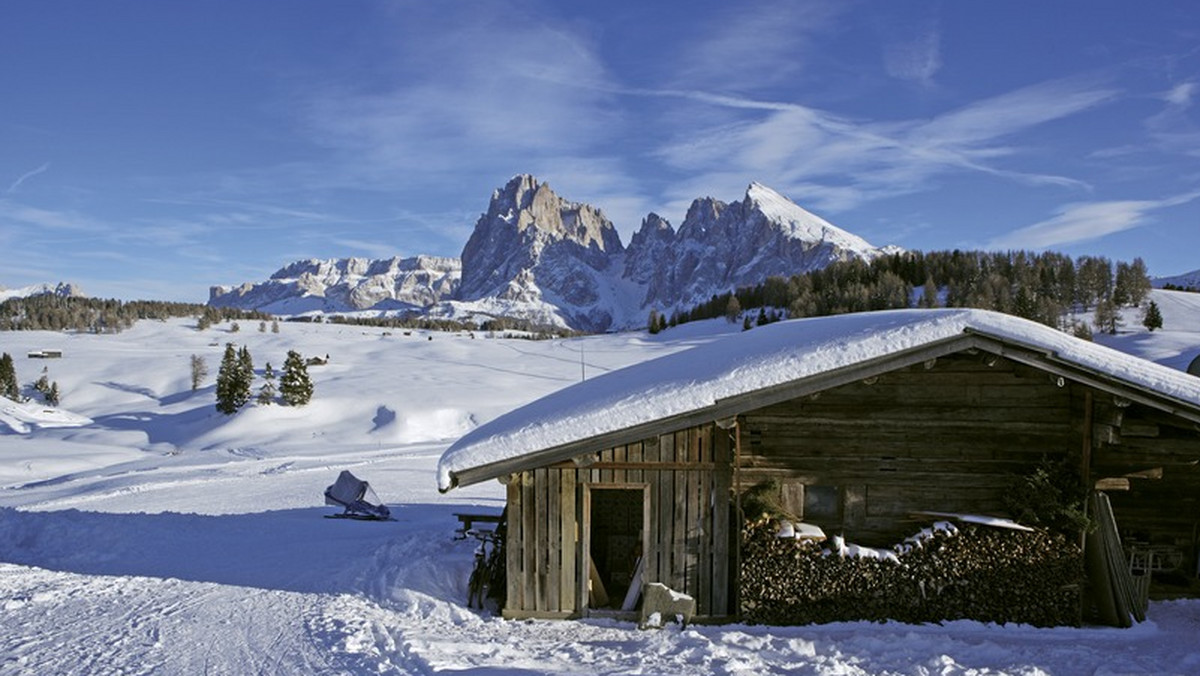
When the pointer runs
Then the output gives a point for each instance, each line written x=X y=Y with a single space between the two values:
x=615 y=544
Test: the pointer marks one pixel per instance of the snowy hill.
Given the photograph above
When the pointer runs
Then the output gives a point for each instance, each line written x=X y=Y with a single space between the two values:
x=143 y=532
x=537 y=256
x=1188 y=280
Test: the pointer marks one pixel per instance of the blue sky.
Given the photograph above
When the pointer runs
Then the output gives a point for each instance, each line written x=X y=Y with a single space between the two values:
x=151 y=148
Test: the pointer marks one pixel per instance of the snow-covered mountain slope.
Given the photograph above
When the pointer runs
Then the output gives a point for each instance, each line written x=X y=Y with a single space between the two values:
x=537 y=256
x=162 y=537
x=60 y=289
x=347 y=285
x=1188 y=280
x=720 y=247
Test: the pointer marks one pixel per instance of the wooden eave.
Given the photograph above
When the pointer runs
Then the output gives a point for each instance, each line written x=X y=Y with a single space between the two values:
x=970 y=339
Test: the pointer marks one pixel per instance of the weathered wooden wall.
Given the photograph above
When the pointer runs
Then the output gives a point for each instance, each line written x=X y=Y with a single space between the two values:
x=948 y=436
x=687 y=477
x=1157 y=457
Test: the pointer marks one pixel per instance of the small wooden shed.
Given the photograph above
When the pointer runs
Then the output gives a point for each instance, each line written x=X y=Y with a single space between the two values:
x=860 y=420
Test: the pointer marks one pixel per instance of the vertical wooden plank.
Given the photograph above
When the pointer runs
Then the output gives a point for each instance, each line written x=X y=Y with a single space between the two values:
x=567 y=535
x=541 y=583
x=513 y=548
x=529 y=541
x=529 y=538
x=704 y=516
x=619 y=454
x=679 y=519
x=695 y=521
x=635 y=456
x=666 y=509
x=553 y=551
x=720 y=555
x=585 y=536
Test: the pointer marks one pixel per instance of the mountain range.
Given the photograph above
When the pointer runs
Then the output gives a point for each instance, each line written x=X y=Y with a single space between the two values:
x=537 y=256
x=62 y=289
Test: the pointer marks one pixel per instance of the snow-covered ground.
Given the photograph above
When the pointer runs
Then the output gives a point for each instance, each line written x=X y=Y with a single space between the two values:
x=143 y=532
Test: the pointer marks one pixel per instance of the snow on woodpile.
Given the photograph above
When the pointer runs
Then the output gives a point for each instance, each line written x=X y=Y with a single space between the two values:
x=945 y=572
x=695 y=379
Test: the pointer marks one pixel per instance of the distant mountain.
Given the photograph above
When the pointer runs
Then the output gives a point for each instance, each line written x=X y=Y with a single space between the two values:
x=347 y=285
x=60 y=289
x=1188 y=280
x=537 y=256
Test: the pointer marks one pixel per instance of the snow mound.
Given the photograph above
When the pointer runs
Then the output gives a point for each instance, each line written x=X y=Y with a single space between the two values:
x=24 y=417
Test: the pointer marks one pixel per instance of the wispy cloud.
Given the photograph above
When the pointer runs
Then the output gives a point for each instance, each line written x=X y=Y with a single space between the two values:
x=1086 y=221
x=745 y=48
x=917 y=60
x=463 y=98
x=12 y=188
x=21 y=215
x=793 y=145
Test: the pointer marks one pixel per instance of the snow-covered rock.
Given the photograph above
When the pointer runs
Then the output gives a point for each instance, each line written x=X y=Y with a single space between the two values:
x=347 y=285
x=62 y=289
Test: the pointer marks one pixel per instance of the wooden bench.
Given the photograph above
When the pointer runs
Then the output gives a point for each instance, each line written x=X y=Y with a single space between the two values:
x=467 y=521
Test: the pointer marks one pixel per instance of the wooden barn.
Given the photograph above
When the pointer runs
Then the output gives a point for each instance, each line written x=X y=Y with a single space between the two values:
x=857 y=422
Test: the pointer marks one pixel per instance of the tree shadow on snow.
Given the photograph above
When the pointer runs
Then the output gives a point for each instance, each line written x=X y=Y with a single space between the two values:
x=289 y=550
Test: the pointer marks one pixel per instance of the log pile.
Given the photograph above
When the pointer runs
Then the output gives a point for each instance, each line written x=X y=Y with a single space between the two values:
x=948 y=572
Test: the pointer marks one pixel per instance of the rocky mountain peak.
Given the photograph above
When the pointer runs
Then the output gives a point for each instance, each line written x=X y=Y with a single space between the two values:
x=528 y=229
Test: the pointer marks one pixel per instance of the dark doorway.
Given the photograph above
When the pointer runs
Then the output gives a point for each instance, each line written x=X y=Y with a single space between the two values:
x=617 y=522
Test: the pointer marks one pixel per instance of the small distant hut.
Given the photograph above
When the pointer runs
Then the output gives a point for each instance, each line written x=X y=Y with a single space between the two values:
x=856 y=424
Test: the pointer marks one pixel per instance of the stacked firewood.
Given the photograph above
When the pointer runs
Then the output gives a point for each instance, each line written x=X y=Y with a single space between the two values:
x=947 y=572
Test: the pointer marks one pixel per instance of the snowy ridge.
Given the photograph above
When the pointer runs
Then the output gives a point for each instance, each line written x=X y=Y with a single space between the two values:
x=775 y=354
x=799 y=223
x=347 y=285
x=63 y=289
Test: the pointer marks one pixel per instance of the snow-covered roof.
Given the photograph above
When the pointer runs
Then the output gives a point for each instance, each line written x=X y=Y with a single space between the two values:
x=699 y=379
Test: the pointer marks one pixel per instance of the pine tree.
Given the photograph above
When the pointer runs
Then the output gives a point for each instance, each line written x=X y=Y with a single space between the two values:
x=295 y=386
x=1153 y=318
x=233 y=388
x=652 y=322
x=8 y=378
x=52 y=395
x=266 y=393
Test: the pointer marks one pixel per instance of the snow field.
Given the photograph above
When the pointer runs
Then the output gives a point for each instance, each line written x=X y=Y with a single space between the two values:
x=165 y=538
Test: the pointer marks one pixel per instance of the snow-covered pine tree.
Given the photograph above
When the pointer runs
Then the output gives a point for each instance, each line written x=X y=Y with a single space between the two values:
x=232 y=389
x=266 y=393
x=245 y=365
x=295 y=387
x=1153 y=318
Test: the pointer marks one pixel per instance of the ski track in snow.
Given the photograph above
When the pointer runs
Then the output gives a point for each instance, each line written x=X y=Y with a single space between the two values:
x=207 y=554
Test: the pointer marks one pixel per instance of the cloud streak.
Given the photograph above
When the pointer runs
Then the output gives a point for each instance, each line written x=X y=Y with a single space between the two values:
x=25 y=177
x=851 y=161
x=1086 y=221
